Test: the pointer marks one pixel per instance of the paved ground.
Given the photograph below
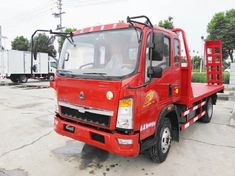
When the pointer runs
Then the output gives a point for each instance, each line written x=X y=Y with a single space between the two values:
x=29 y=146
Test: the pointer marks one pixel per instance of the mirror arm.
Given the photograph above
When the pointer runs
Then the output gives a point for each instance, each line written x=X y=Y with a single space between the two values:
x=50 y=32
x=32 y=46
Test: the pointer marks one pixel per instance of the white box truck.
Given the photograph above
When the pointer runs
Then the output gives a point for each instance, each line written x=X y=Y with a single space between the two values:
x=16 y=65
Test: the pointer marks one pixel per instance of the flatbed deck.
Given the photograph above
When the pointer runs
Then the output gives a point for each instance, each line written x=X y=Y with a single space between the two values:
x=203 y=90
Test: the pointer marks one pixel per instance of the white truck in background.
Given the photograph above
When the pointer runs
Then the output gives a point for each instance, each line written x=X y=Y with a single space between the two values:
x=16 y=66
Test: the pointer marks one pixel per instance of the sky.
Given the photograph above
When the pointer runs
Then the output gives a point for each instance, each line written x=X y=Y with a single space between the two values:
x=23 y=17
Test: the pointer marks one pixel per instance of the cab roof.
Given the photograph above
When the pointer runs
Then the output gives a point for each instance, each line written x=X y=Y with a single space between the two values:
x=120 y=25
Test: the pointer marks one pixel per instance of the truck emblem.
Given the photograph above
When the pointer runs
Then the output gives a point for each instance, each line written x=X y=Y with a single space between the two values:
x=81 y=96
x=109 y=95
x=150 y=98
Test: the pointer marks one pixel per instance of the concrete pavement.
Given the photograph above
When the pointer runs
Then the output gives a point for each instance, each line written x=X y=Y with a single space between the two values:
x=232 y=119
x=30 y=147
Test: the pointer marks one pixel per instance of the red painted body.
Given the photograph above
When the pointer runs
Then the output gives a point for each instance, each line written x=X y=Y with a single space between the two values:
x=149 y=101
x=111 y=144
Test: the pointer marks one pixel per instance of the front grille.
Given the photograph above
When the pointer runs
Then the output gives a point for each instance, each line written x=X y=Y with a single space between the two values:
x=88 y=117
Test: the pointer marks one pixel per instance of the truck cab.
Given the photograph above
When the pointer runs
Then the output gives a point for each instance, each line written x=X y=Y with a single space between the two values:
x=120 y=87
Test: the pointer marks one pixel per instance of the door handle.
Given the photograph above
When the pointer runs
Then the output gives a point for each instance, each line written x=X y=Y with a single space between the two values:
x=170 y=90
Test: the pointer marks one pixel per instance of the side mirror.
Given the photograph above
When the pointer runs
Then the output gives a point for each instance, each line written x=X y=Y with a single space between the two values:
x=154 y=72
x=157 y=52
x=150 y=42
x=35 y=55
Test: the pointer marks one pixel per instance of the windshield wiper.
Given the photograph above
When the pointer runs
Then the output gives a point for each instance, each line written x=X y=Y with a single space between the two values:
x=103 y=75
x=94 y=73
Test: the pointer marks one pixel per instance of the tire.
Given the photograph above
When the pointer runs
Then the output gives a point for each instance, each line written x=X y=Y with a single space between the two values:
x=23 y=79
x=158 y=153
x=51 y=78
x=209 y=111
x=14 y=79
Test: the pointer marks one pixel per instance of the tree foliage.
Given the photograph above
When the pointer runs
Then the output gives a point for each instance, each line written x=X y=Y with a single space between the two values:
x=20 y=43
x=222 y=27
x=41 y=44
x=61 y=39
x=196 y=62
x=168 y=23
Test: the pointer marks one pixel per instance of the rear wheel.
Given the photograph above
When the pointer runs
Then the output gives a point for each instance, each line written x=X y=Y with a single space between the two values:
x=209 y=111
x=160 y=150
x=23 y=78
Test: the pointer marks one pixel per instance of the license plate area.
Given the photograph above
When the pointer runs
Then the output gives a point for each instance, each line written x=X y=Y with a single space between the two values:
x=69 y=128
x=97 y=137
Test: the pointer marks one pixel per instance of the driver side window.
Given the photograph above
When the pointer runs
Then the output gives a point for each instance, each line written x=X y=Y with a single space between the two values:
x=165 y=63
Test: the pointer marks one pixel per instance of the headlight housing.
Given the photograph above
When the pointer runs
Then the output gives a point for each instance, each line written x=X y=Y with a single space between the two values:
x=125 y=114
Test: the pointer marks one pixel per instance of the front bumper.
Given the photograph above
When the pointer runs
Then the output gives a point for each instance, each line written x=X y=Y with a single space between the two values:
x=109 y=142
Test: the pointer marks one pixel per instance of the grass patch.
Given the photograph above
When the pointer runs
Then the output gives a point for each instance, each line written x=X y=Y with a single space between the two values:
x=201 y=77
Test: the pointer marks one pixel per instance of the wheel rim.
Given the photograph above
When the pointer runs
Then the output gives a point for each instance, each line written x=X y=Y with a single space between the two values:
x=166 y=140
x=51 y=78
x=209 y=109
x=23 y=79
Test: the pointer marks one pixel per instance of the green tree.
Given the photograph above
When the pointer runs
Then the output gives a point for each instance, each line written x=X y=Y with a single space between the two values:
x=196 y=62
x=20 y=43
x=61 y=39
x=222 y=27
x=41 y=44
x=168 y=23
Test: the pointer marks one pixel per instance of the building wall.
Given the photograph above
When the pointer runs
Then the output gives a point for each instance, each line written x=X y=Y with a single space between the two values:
x=232 y=73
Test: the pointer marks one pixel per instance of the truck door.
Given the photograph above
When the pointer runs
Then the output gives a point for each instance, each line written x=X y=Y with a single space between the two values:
x=160 y=91
x=176 y=69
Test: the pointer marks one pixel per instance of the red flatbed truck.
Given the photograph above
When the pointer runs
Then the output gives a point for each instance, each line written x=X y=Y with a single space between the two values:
x=137 y=100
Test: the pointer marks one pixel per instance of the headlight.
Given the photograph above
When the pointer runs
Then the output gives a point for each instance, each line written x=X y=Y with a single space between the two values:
x=125 y=114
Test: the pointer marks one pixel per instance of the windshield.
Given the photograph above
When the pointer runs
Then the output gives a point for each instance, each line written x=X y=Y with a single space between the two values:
x=53 y=64
x=100 y=54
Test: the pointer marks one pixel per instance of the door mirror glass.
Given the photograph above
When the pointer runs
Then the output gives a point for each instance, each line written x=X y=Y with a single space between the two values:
x=157 y=52
x=150 y=41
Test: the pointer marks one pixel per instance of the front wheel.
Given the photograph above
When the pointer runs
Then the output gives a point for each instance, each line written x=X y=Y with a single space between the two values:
x=160 y=150
x=209 y=111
